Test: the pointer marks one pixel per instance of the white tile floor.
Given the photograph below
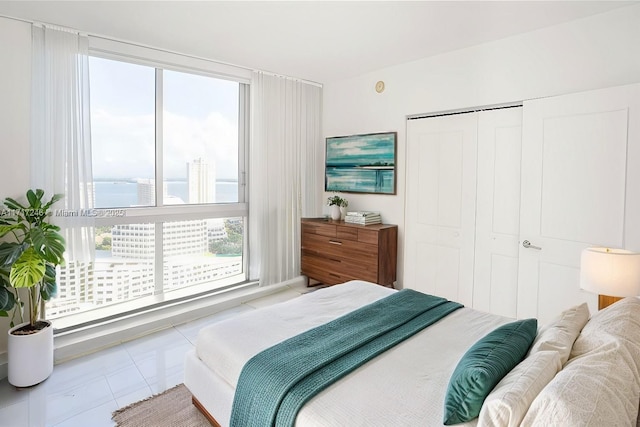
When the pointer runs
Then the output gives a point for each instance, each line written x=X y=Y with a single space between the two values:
x=85 y=391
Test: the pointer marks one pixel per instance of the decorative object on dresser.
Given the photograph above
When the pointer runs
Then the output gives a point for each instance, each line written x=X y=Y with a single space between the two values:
x=336 y=252
x=611 y=273
x=363 y=218
x=338 y=205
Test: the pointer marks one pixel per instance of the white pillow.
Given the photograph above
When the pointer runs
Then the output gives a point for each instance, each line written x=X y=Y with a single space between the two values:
x=560 y=334
x=619 y=320
x=509 y=401
x=599 y=389
x=600 y=384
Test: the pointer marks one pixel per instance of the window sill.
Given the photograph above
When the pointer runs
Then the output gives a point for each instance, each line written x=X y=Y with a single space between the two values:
x=125 y=309
x=82 y=341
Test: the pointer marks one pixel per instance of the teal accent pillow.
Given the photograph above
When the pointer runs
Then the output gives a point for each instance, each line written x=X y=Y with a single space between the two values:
x=483 y=366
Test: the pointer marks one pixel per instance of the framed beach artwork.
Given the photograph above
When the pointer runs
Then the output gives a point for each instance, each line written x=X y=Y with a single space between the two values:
x=361 y=163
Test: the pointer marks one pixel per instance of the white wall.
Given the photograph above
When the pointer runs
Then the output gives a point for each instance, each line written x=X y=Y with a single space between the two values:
x=596 y=52
x=15 y=89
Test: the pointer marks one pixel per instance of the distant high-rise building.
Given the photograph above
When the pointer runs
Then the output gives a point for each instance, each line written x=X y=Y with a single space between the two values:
x=147 y=191
x=202 y=181
x=138 y=241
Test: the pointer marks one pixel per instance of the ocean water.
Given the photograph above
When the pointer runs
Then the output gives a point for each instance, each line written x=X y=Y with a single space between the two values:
x=120 y=194
x=360 y=180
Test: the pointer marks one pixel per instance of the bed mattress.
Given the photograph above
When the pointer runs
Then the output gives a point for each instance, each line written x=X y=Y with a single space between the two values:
x=405 y=386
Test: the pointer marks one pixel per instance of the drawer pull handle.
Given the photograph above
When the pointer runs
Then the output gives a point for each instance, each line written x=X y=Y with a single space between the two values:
x=335 y=242
x=335 y=260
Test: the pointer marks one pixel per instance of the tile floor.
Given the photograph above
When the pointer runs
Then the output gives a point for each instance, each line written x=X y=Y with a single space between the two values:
x=85 y=391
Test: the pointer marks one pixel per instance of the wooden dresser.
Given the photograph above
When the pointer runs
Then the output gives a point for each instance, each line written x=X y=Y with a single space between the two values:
x=335 y=252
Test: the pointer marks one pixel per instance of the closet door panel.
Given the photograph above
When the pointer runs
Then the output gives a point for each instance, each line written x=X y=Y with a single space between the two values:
x=583 y=170
x=440 y=206
x=439 y=277
x=503 y=290
x=498 y=211
x=440 y=177
x=580 y=153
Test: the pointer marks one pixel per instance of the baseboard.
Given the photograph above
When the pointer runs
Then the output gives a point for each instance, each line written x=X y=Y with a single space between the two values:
x=77 y=343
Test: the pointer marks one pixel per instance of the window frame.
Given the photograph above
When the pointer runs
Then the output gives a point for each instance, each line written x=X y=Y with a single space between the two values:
x=162 y=60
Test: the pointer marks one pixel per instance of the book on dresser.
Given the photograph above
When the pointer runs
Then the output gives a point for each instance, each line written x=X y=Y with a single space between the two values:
x=362 y=213
x=363 y=218
x=335 y=251
x=363 y=221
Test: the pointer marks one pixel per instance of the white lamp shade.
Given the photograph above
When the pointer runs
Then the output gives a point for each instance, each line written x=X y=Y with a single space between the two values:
x=612 y=272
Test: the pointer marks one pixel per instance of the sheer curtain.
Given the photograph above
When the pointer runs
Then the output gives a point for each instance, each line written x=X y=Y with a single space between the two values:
x=284 y=173
x=60 y=132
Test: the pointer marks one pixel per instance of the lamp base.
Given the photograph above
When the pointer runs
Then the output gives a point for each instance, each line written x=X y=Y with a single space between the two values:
x=605 y=301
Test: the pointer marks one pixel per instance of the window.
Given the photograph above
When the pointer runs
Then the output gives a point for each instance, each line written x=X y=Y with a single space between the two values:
x=181 y=127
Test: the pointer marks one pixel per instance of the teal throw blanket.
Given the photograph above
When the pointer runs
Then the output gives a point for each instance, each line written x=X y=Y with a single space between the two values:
x=277 y=382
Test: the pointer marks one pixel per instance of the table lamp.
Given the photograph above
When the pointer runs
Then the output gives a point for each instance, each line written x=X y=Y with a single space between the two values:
x=611 y=273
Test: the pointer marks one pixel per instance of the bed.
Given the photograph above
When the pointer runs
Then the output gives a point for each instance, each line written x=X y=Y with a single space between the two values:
x=577 y=370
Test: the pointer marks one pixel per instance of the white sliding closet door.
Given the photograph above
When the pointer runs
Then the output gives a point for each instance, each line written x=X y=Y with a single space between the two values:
x=580 y=187
x=498 y=211
x=440 y=206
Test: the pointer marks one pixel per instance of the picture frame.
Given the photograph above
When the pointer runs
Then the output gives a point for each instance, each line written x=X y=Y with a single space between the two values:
x=363 y=163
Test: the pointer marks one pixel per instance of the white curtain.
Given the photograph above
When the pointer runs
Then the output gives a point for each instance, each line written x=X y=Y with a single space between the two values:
x=284 y=173
x=61 y=136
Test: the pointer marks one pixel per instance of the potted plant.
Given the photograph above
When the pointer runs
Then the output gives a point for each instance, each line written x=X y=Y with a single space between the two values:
x=29 y=261
x=338 y=205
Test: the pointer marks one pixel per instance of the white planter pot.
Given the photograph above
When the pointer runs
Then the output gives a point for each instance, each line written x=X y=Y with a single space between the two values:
x=30 y=357
x=335 y=212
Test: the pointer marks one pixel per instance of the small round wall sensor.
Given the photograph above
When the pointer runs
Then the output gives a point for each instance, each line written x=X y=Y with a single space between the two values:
x=380 y=86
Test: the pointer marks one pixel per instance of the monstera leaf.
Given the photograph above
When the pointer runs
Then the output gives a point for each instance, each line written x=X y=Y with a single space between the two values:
x=7 y=300
x=28 y=270
x=10 y=252
x=48 y=243
x=49 y=287
x=6 y=228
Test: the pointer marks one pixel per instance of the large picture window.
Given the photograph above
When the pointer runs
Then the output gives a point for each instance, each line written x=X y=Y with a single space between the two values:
x=168 y=165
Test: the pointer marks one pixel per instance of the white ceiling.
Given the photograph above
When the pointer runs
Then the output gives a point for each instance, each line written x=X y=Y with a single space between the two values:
x=317 y=41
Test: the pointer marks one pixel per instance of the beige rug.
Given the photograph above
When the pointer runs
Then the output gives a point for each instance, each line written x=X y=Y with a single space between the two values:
x=173 y=408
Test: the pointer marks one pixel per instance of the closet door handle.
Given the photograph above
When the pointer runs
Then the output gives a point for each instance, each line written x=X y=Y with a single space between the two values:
x=527 y=244
x=335 y=242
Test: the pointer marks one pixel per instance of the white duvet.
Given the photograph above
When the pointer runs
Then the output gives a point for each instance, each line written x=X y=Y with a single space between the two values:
x=405 y=386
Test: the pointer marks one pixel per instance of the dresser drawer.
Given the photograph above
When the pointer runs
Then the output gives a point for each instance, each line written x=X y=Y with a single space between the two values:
x=346 y=233
x=324 y=276
x=319 y=228
x=331 y=271
x=368 y=236
x=340 y=248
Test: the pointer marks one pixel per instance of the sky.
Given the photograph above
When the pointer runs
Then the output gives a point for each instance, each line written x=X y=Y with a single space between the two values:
x=200 y=121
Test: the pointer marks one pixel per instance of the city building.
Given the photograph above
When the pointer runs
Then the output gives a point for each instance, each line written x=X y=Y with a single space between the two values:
x=202 y=181
x=147 y=191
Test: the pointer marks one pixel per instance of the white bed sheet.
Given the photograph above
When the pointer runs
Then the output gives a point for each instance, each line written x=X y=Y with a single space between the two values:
x=249 y=333
x=405 y=386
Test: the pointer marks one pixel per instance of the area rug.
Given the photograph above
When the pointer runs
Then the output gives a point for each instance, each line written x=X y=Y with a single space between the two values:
x=172 y=408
